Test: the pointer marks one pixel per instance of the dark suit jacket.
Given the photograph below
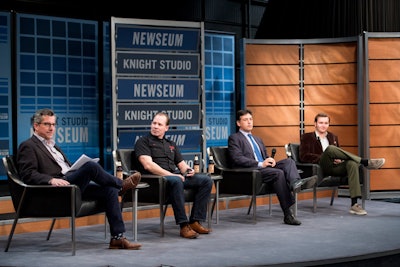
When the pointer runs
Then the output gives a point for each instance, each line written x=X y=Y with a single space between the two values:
x=311 y=149
x=241 y=153
x=35 y=163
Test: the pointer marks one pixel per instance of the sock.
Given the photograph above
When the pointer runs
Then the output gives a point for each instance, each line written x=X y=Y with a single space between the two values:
x=353 y=201
x=119 y=236
x=364 y=162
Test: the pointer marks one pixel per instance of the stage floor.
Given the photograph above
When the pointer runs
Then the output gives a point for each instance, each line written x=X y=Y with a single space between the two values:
x=331 y=236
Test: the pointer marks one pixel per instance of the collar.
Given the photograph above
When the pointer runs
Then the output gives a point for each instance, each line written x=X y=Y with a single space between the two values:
x=316 y=134
x=50 y=142
x=245 y=133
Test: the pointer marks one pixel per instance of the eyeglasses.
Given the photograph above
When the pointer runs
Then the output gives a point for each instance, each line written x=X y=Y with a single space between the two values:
x=48 y=124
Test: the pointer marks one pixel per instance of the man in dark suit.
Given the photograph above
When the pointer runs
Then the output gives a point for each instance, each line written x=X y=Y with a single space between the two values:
x=322 y=147
x=248 y=151
x=41 y=161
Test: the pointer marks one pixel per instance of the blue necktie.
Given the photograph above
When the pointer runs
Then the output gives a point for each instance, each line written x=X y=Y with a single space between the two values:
x=256 y=149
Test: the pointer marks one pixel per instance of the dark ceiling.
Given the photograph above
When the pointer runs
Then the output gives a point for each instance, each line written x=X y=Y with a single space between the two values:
x=283 y=19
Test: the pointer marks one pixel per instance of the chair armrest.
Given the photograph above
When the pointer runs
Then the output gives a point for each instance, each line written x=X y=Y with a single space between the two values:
x=240 y=180
x=49 y=201
x=310 y=169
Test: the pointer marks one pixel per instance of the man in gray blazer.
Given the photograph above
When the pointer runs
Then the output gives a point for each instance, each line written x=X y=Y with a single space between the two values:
x=41 y=161
x=248 y=151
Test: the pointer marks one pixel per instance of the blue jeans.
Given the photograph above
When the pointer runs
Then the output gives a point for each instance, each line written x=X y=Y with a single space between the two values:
x=202 y=185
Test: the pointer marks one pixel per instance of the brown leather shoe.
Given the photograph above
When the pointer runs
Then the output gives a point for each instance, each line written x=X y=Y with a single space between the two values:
x=123 y=243
x=130 y=183
x=197 y=227
x=187 y=232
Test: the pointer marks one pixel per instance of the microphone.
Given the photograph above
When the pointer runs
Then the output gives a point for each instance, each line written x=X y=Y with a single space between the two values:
x=273 y=152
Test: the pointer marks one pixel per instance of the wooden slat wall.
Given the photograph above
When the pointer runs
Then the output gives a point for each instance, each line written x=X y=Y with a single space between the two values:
x=330 y=86
x=384 y=110
x=273 y=90
x=272 y=93
x=273 y=87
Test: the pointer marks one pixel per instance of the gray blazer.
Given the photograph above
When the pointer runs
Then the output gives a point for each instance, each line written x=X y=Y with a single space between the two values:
x=35 y=163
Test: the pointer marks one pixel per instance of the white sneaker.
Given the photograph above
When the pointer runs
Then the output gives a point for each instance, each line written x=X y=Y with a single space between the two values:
x=356 y=209
x=374 y=164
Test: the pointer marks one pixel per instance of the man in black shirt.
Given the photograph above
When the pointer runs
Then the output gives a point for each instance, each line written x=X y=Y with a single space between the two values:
x=161 y=156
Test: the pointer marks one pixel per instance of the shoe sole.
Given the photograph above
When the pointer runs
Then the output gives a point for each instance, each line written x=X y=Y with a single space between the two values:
x=190 y=237
x=358 y=213
x=135 y=248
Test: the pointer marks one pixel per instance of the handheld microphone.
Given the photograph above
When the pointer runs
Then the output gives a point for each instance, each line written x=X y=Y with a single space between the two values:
x=273 y=152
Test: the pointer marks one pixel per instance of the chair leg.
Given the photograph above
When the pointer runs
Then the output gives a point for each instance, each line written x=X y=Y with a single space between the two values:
x=51 y=228
x=364 y=196
x=73 y=234
x=105 y=226
x=163 y=212
x=216 y=202
x=11 y=233
x=334 y=190
x=134 y=214
x=270 y=204
x=253 y=199
x=209 y=215
x=250 y=205
x=315 y=198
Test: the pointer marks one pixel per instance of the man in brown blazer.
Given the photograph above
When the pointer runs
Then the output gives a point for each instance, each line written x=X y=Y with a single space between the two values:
x=322 y=147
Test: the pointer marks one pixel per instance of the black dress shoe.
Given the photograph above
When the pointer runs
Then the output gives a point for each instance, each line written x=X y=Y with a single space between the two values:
x=296 y=185
x=291 y=220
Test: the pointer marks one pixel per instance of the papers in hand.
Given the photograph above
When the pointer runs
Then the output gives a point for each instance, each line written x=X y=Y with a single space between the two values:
x=82 y=160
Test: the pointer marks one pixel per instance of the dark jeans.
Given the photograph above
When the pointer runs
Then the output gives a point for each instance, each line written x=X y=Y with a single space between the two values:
x=95 y=183
x=202 y=184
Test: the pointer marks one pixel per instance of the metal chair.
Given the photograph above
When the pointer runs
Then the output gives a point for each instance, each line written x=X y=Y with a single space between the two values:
x=156 y=192
x=309 y=169
x=240 y=181
x=46 y=201
x=130 y=200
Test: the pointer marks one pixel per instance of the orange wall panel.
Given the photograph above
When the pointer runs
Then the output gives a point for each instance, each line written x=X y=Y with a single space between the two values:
x=272 y=75
x=384 y=114
x=330 y=53
x=384 y=70
x=384 y=135
x=383 y=48
x=384 y=179
x=330 y=94
x=272 y=95
x=384 y=92
x=275 y=115
x=330 y=74
x=272 y=54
